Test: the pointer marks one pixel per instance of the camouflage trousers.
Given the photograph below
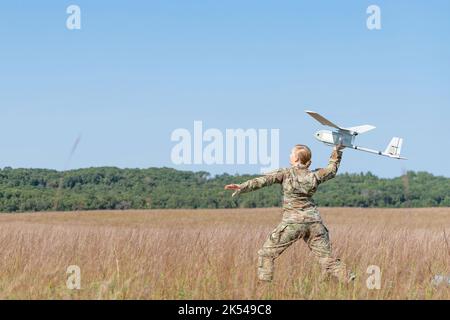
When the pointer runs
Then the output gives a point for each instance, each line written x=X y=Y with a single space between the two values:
x=315 y=235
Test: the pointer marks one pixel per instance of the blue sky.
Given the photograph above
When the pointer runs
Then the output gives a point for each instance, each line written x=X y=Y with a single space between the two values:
x=138 y=70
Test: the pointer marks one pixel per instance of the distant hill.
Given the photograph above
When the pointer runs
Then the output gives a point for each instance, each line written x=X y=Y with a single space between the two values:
x=113 y=188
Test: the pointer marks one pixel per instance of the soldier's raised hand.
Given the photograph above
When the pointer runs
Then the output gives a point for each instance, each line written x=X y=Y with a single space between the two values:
x=339 y=147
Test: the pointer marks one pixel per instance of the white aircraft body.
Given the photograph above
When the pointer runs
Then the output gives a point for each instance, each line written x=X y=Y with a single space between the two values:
x=346 y=137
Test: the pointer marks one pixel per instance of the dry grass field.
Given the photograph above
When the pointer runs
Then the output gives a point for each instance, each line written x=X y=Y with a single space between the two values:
x=211 y=254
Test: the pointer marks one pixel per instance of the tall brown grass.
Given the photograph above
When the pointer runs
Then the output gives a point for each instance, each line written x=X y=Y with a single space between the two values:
x=211 y=254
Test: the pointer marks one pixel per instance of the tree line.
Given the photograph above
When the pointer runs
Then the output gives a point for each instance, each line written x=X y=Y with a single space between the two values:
x=155 y=188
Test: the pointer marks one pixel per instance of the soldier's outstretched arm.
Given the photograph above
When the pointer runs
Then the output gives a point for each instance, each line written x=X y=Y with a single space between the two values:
x=257 y=183
x=331 y=170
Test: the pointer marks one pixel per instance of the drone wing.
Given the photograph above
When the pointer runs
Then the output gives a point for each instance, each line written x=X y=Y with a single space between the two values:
x=323 y=120
x=326 y=122
x=361 y=129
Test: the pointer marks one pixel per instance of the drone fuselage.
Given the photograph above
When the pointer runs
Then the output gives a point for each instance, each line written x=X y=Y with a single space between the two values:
x=336 y=137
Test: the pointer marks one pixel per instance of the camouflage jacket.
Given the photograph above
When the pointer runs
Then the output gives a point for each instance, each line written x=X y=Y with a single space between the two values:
x=299 y=185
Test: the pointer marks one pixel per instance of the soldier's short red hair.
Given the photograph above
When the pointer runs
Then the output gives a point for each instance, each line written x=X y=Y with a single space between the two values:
x=303 y=154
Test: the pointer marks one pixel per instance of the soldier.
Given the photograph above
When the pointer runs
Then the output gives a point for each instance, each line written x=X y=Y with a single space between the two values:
x=301 y=218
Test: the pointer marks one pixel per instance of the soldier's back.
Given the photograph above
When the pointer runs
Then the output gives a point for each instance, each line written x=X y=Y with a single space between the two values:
x=299 y=185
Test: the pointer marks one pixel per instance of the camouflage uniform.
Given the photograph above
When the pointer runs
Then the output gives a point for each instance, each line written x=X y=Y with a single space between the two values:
x=301 y=219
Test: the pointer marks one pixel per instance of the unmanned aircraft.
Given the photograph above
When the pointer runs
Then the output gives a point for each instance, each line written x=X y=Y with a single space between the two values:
x=346 y=137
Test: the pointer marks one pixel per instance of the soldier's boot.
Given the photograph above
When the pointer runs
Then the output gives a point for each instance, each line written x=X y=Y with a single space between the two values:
x=337 y=269
x=265 y=268
x=351 y=277
x=344 y=276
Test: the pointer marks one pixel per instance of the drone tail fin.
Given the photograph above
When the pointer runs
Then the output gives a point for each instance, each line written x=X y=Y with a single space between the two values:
x=395 y=147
